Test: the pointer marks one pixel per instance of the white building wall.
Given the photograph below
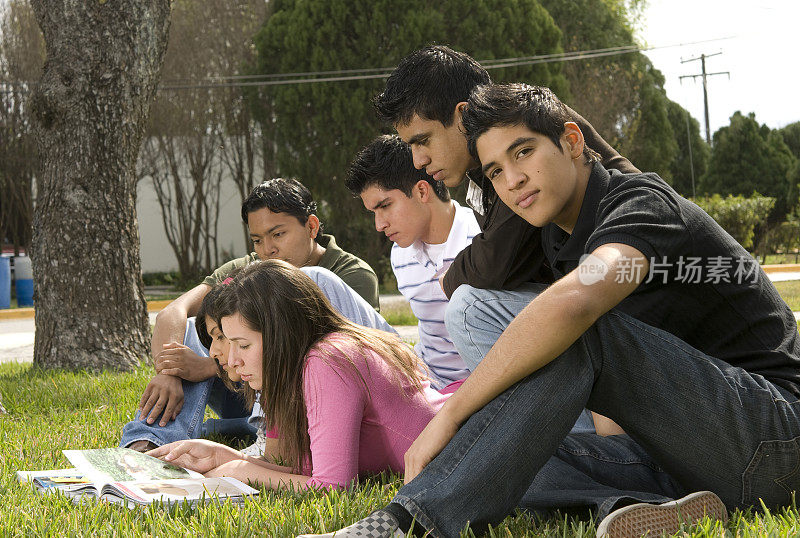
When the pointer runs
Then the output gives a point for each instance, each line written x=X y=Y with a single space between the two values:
x=157 y=254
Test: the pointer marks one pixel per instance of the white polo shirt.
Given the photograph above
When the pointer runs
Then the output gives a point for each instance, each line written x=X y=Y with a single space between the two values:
x=417 y=269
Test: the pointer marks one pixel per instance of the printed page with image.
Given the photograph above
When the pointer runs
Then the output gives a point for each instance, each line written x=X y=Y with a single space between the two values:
x=128 y=477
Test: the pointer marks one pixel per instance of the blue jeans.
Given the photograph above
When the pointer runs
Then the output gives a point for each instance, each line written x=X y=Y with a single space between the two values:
x=212 y=392
x=694 y=423
x=236 y=420
x=475 y=318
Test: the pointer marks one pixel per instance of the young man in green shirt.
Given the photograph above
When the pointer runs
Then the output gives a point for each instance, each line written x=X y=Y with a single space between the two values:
x=281 y=217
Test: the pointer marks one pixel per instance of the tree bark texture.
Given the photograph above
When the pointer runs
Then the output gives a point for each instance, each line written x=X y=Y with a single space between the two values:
x=103 y=61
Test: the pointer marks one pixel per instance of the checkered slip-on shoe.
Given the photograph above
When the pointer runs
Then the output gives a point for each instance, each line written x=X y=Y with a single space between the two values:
x=656 y=519
x=379 y=524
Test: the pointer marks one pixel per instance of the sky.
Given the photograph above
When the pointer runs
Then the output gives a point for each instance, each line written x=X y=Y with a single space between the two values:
x=762 y=56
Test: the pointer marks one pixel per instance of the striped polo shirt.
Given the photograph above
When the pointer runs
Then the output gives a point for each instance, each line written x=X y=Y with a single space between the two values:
x=417 y=269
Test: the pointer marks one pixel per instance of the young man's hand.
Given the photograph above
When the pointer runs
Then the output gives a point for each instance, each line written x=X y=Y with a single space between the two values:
x=180 y=361
x=439 y=431
x=198 y=455
x=163 y=396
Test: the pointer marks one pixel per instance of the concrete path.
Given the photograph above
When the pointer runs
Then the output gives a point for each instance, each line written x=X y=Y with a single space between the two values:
x=16 y=336
x=17 y=333
x=16 y=340
x=784 y=276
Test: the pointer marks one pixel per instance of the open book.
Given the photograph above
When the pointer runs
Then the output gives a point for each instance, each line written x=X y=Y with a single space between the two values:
x=122 y=475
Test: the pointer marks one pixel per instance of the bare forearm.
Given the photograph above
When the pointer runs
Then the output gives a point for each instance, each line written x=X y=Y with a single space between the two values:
x=171 y=322
x=269 y=465
x=541 y=332
x=170 y=327
x=170 y=355
x=605 y=426
x=247 y=470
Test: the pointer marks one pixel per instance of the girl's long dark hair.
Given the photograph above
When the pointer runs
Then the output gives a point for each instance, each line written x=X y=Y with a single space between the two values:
x=292 y=314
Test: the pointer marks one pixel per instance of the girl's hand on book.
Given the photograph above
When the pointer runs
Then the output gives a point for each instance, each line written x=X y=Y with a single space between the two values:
x=198 y=455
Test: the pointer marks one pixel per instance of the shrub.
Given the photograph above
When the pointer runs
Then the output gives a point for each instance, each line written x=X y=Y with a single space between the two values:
x=738 y=215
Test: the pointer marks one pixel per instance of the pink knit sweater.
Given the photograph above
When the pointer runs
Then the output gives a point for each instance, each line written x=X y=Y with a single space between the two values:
x=356 y=429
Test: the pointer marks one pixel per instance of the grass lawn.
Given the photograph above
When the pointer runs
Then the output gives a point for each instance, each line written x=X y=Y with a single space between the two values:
x=773 y=259
x=398 y=313
x=790 y=291
x=163 y=296
x=51 y=411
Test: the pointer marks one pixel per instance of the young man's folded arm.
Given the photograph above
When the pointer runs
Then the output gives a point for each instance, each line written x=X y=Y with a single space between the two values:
x=544 y=329
x=170 y=323
x=163 y=395
x=551 y=323
x=493 y=260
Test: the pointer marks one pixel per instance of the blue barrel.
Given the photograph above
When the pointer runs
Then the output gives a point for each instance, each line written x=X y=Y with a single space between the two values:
x=23 y=276
x=5 y=282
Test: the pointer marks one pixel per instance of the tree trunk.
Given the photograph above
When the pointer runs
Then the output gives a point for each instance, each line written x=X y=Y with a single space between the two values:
x=103 y=61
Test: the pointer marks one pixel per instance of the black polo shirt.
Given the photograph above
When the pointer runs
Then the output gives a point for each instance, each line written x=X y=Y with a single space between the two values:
x=703 y=286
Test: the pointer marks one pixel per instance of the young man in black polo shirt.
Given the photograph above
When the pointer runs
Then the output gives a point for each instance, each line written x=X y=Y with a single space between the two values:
x=658 y=320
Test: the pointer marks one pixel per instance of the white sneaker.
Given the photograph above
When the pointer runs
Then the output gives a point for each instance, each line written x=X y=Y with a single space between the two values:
x=656 y=519
x=256 y=450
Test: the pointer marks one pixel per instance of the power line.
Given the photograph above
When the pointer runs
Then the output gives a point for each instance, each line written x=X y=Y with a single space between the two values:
x=504 y=63
x=385 y=72
x=495 y=63
x=276 y=79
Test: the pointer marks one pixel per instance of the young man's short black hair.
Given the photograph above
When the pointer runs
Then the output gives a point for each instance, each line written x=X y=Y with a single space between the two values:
x=429 y=83
x=503 y=105
x=387 y=163
x=281 y=196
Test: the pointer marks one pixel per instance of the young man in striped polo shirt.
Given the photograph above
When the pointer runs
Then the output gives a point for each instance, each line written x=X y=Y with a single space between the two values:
x=428 y=230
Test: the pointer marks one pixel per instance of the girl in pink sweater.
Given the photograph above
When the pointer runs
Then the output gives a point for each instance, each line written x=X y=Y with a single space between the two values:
x=347 y=400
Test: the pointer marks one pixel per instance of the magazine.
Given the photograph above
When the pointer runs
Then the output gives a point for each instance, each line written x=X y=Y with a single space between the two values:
x=52 y=479
x=124 y=476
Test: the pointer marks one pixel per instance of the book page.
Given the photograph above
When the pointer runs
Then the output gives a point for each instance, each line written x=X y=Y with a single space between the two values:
x=179 y=490
x=28 y=476
x=105 y=465
x=47 y=482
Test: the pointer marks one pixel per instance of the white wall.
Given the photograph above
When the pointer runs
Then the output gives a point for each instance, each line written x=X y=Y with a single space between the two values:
x=156 y=252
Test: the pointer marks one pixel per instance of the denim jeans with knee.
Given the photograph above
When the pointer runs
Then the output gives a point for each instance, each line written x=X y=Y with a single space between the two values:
x=235 y=419
x=693 y=423
x=189 y=424
x=475 y=318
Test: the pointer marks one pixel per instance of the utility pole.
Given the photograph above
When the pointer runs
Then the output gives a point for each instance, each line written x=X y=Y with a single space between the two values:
x=691 y=159
x=705 y=76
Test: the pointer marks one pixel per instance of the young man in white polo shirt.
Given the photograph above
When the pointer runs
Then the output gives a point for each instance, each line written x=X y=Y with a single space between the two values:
x=428 y=230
